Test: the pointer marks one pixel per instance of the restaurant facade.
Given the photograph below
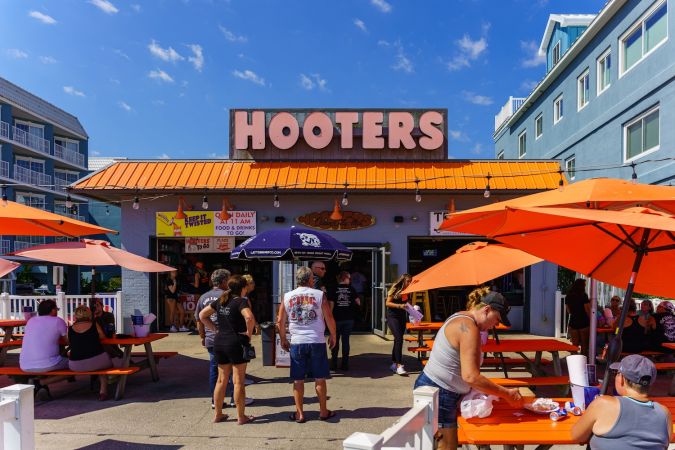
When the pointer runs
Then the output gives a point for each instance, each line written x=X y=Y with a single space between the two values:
x=378 y=180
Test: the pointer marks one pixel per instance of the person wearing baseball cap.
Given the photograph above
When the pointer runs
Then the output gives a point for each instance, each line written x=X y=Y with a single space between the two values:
x=630 y=420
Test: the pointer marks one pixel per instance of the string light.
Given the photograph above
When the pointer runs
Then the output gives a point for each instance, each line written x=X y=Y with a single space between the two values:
x=276 y=203
x=486 y=194
x=4 y=196
x=69 y=202
x=418 y=196
x=345 y=196
x=136 y=205
x=205 y=203
x=107 y=210
x=634 y=175
x=561 y=184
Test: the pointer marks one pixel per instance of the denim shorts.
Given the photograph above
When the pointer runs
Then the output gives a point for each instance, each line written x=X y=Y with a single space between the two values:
x=448 y=402
x=309 y=361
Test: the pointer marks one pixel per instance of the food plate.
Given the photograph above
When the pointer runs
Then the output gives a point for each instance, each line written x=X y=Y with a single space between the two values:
x=544 y=408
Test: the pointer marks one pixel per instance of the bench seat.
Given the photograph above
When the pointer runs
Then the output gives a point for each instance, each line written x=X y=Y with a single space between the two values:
x=157 y=355
x=14 y=343
x=665 y=366
x=492 y=361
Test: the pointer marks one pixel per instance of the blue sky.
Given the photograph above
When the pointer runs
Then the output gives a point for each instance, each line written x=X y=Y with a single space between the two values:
x=156 y=79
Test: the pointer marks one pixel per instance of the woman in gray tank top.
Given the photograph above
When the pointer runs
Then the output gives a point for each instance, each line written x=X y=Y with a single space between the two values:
x=630 y=421
x=454 y=364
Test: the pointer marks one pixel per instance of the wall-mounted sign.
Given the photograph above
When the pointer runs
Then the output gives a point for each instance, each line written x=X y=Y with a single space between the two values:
x=338 y=134
x=435 y=221
x=351 y=220
x=209 y=244
x=206 y=224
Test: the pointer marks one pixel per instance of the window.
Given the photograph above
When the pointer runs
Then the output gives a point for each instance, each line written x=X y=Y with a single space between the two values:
x=522 y=144
x=539 y=126
x=641 y=135
x=31 y=128
x=643 y=37
x=558 y=109
x=604 y=71
x=36 y=165
x=500 y=155
x=556 y=53
x=67 y=143
x=583 y=90
x=570 y=164
x=34 y=200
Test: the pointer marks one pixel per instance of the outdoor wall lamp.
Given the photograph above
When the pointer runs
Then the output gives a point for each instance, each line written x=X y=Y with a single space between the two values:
x=398 y=219
x=280 y=219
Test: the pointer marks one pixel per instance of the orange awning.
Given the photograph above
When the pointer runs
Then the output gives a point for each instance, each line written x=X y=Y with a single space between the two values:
x=128 y=177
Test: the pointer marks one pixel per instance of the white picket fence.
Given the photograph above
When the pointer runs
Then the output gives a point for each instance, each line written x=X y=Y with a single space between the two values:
x=414 y=430
x=11 y=306
x=17 y=427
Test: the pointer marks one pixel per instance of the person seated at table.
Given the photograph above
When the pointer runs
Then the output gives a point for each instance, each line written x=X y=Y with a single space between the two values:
x=86 y=351
x=646 y=316
x=454 y=367
x=40 y=351
x=235 y=323
x=665 y=326
x=615 y=307
x=631 y=420
x=579 y=308
x=633 y=337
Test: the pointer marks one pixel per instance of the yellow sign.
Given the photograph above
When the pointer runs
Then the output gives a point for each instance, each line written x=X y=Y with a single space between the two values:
x=196 y=223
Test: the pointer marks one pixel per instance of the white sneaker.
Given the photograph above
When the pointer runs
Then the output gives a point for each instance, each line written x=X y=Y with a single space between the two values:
x=393 y=367
x=173 y=329
x=247 y=402
x=400 y=370
x=183 y=329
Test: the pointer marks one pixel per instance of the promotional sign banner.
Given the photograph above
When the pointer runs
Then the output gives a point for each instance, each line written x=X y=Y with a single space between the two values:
x=205 y=224
x=209 y=244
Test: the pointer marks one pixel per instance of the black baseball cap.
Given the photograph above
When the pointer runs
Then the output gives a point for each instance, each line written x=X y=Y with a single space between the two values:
x=496 y=301
x=636 y=368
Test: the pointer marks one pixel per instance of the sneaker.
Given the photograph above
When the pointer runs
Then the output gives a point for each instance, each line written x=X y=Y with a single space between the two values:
x=393 y=367
x=247 y=402
x=183 y=329
x=173 y=329
x=214 y=406
x=400 y=370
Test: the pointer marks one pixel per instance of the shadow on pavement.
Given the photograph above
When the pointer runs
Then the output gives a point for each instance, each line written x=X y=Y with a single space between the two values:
x=110 y=444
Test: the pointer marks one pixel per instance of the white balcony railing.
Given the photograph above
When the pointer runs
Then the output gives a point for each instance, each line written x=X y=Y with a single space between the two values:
x=508 y=110
x=4 y=169
x=22 y=243
x=17 y=417
x=29 y=140
x=5 y=246
x=4 y=130
x=23 y=175
x=68 y=155
x=60 y=184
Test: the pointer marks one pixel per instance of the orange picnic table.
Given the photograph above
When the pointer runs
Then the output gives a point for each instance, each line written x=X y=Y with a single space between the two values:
x=536 y=346
x=8 y=327
x=516 y=426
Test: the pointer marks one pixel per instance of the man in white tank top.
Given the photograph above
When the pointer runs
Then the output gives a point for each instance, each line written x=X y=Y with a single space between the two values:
x=307 y=312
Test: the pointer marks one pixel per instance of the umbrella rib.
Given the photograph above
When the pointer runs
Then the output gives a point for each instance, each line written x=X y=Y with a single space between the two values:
x=662 y=248
x=628 y=241
x=616 y=249
x=539 y=230
x=44 y=225
x=628 y=236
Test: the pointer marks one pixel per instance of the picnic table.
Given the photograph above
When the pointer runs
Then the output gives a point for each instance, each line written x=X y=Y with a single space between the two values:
x=525 y=427
x=8 y=327
x=127 y=343
x=536 y=346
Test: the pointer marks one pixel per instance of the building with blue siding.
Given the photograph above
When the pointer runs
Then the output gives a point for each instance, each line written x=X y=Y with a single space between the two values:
x=607 y=99
x=43 y=149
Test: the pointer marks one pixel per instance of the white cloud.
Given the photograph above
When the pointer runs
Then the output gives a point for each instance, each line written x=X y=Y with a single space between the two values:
x=477 y=149
x=230 y=36
x=382 y=5
x=94 y=153
x=469 y=50
x=160 y=75
x=165 y=54
x=360 y=24
x=313 y=81
x=198 y=59
x=457 y=135
x=115 y=81
x=125 y=106
x=164 y=156
x=217 y=156
x=48 y=60
x=136 y=7
x=383 y=43
x=105 y=6
x=249 y=75
x=476 y=99
x=44 y=18
x=72 y=91
x=528 y=85
x=16 y=53
x=306 y=82
x=121 y=54
x=403 y=62
x=533 y=58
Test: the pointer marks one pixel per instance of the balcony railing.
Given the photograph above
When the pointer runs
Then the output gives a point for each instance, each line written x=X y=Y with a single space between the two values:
x=508 y=110
x=23 y=243
x=68 y=155
x=5 y=246
x=72 y=216
x=4 y=169
x=4 y=130
x=29 y=140
x=23 y=175
x=60 y=185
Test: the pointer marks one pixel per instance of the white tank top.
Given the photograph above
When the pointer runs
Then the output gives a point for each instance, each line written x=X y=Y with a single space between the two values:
x=305 y=316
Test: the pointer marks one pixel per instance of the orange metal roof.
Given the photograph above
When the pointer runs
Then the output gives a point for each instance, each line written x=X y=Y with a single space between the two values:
x=174 y=176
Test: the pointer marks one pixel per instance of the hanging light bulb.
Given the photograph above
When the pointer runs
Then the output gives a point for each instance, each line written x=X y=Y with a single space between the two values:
x=137 y=203
x=107 y=210
x=345 y=196
x=418 y=196
x=69 y=202
x=205 y=203
x=486 y=194
x=633 y=177
x=4 y=196
x=561 y=184
x=276 y=203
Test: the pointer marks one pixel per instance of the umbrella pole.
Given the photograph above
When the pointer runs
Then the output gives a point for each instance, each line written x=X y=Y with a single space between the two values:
x=615 y=344
x=592 y=339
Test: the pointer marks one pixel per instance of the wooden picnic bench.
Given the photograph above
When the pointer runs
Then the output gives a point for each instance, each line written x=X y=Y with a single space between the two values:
x=8 y=327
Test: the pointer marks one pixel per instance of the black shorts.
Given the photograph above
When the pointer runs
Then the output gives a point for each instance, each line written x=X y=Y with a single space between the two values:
x=231 y=352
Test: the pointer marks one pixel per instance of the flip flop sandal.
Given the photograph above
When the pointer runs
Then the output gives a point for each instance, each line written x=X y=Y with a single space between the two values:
x=249 y=419
x=293 y=417
x=330 y=415
x=222 y=418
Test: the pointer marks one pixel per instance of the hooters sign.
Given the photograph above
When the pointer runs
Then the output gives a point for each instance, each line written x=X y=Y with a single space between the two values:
x=338 y=134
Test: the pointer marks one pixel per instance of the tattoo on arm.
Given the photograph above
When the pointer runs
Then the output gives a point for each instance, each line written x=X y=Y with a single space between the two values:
x=463 y=328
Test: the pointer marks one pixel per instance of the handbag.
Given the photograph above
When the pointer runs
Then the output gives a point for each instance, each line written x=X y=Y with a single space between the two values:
x=248 y=352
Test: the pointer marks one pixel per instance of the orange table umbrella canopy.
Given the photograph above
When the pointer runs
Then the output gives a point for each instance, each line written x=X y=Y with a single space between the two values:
x=471 y=265
x=22 y=220
x=89 y=252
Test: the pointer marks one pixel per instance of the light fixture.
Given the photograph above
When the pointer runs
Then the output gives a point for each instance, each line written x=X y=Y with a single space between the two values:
x=264 y=218
x=107 y=210
x=69 y=202
x=336 y=214
x=633 y=177
x=451 y=208
x=276 y=203
x=4 y=196
x=205 y=203
x=180 y=214
x=137 y=204
x=224 y=215
x=414 y=218
x=345 y=196
x=73 y=210
x=486 y=194
x=561 y=184
x=418 y=196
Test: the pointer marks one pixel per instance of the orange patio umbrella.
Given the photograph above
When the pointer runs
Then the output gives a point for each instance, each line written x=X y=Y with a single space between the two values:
x=7 y=266
x=22 y=220
x=471 y=265
x=634 y=246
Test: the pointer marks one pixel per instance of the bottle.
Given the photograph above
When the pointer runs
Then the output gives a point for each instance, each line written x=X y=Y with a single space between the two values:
x=571 y=408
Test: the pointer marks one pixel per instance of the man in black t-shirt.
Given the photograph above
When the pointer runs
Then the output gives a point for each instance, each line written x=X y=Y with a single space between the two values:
x=345 y=302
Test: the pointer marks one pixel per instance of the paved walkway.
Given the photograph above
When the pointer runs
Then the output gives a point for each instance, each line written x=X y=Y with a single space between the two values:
x=175 y=412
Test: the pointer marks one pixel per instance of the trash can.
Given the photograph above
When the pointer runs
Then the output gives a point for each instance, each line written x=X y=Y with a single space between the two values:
x=268 y=334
